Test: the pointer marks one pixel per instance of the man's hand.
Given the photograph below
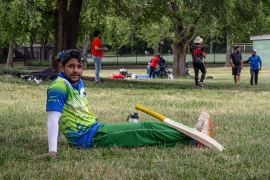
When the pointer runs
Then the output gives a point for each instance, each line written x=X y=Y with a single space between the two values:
x=233 y=66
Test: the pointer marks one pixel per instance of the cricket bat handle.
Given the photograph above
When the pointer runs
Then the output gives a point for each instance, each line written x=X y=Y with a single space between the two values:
x=150 y=112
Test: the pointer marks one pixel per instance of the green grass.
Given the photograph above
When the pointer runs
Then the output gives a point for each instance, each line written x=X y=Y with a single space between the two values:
x=241 y=117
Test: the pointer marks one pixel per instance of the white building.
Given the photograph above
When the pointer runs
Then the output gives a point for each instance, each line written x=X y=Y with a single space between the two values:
x=262 y=45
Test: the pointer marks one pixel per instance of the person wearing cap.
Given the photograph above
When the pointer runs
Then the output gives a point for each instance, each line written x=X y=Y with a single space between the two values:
x=97 y=53
x=198 y=55
x=67 y=109
x=237 y=64
x=255 y=67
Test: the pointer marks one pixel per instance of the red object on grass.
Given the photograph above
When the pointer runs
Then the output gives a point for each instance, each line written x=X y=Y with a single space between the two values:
x=117 y=76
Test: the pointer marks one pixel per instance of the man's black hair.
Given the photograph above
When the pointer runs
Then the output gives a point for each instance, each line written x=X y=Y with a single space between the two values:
x=96 y=33
x=236 y=47
x=66 y=55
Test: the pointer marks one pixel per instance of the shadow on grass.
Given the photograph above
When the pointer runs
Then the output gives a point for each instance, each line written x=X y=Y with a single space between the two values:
x=156 y=84
x=174 y=84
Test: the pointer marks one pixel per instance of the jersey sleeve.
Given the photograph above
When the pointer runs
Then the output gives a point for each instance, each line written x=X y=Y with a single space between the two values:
x=56 y=97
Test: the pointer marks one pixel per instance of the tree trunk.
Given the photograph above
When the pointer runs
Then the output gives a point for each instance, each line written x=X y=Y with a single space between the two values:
x=9 y=63
x=155 y=48
x=211 y=47
x=228 y=51
x=60 y=20
x=179 y=60
x=73 y=23
x=67 y=17
x=32 y=39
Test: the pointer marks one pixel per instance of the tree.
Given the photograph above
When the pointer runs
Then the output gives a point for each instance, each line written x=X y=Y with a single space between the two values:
x=17 y=18
x=189 y=17
x=185 y=19
x=67 y=15
x=242 y=20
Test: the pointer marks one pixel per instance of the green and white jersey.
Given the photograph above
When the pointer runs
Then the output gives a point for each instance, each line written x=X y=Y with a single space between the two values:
x=76 y=123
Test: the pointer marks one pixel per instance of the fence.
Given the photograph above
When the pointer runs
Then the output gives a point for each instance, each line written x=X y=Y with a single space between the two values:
x=41 y=56
x=216 y=53
x=29 y=55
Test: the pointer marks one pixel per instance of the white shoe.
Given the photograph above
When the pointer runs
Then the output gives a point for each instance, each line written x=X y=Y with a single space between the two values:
x=200 y=84
x=204 y=124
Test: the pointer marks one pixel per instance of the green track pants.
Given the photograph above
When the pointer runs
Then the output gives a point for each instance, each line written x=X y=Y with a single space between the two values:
x=138 y=134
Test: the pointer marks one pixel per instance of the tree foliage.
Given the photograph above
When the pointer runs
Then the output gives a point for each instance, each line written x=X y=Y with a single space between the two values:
x=123 y=22
x=17 y=19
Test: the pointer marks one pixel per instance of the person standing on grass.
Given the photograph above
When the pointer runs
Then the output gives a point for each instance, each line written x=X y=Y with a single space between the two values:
x=255 y=67
x=198 y=55
x=153 y=65
x=97 y=52
x=67 y=109
x=237 y=64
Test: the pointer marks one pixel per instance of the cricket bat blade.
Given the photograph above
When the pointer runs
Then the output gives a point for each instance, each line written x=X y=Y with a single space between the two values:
x=191 y=132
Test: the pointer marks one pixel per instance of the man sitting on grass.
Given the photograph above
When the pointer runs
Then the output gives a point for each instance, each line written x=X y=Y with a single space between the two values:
x=67 y=108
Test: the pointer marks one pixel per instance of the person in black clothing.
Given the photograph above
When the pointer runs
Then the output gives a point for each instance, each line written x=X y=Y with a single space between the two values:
x=198 y=55
x=237 y=64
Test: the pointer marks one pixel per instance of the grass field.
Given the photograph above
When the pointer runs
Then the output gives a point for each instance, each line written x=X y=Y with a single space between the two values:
x=241 y=116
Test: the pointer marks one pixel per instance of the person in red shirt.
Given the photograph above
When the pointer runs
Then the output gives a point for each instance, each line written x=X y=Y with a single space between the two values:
x=153 y=64
x=97 y=53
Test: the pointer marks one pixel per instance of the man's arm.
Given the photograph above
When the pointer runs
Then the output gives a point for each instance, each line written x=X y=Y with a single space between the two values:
x=231 y=62
x=98 y=46
x=260 y=61
x=53 y=129
x=247 y=61
x=203 y=53
x=101 y=48
x=241 y=60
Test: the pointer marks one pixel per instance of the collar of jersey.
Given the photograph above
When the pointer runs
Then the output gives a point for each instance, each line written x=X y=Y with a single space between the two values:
x=77 y=86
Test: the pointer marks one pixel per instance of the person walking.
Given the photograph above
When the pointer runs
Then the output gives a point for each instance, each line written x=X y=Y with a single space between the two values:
x=255 y=67
x=67 y=110
x=97 y=53
x=237 y=64
x=198 y=55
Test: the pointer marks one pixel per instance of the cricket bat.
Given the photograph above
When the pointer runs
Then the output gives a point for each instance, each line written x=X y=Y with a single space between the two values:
x=191 y=132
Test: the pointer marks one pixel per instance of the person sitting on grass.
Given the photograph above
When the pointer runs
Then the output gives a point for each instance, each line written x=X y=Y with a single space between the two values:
x=67 y=109
x=153 y=65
